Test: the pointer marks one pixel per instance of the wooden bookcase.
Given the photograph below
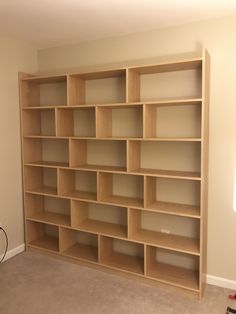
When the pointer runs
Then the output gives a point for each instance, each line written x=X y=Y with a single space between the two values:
x=115 y=167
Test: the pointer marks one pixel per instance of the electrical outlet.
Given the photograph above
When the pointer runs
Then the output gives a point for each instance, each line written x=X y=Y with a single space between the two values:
x=165 y=231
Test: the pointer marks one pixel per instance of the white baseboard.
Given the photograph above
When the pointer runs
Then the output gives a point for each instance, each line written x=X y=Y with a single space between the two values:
x=211 y=280
x=221 y=282
x=17 y=250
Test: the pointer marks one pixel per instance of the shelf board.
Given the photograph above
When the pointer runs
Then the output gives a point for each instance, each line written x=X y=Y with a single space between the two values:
x=104 y=228
x=188 y=175
x=123 y=200
x=168 y=241
x=47 y=243
x=180 y=65
x=82 y=251
x=46 y=78
x=171 y=139
x=51 y=218
x=83 y=195
x=101 y=168
x=50 y=164
x=175 y=209
x=44 y=107
x=132 y=264
x=46 y=190
x=176 y=276
x=47 y=136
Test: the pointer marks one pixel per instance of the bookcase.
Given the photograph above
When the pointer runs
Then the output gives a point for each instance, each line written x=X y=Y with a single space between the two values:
x=115 y=167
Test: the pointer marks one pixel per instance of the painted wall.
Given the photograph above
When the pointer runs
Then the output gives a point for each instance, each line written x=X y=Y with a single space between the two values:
x=14 y=56
x=218 y=36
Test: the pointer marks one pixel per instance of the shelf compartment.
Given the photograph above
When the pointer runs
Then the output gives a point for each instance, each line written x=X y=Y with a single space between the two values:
x=97 y=88
x=176 y=122
x=173 y=196
x=79 y=245
x=176 y=80
x=119 y=122
x=78 y=184
x=122 y=255
x=45 y=209
x=98 y=154
x=173 y=233
x=177 y=269
x=48 y=152
x=120 y=189
x=76 y=122
x=44 y=91
x=40 y=180
x=38 y=122
x=43 y=236
x=157 y=158
x=101 y=219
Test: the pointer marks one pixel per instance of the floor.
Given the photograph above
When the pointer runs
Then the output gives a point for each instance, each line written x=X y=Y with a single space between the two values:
x=33 y=283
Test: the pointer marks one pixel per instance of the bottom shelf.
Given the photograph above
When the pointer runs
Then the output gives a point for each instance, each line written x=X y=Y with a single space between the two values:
x=176 y=276
x=82 y=251
x=47 y=243
x=133 y=264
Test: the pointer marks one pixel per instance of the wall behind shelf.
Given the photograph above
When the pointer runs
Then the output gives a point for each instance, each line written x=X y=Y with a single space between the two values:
x=217 y=36
x=14 y=56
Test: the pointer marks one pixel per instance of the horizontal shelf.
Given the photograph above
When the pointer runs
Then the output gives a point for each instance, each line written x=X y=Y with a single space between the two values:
x=47 y=243
x=176 y=276
x=123 y=200
x=50 y=164
x=83 y=195
x=101 y=168
x=51 y=218
x=157 y=139
x=124 y=262
x=104 y=228
x=168 y=241
x=175 y=209
x=82 y=251
x=168 y=173
x=167 y=102
x=44 y=190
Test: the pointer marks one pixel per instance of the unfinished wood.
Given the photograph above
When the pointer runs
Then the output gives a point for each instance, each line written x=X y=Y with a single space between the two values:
x=132 y=86
x=76 y=91
x=111 y=258
x=103 y=122
x=167 y=273
x=51 y=218
x=185 y=175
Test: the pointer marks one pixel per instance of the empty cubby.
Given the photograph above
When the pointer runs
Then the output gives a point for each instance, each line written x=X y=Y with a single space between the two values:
x=97 y=88
x=79 y=245
x=121 y=189
x=43 y=236
x=40 y=180
x=98 y=154
x=99 y=218
x=119 y=121
x=120 y=254
x=173 y=196
x=178 y=120
x=173 y=232
x=176 y=80
x=178 y=269
x=79 y=122
x=48 y=152
x=78 y=184
x=38 y=122
x=157 y=157
x=48 y=209
x=44 y=91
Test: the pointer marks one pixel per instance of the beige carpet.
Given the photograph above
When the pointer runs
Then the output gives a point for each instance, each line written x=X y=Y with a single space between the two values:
x=31 y=283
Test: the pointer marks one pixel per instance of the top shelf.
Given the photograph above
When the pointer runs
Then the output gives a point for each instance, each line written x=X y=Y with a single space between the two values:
x=162 y=84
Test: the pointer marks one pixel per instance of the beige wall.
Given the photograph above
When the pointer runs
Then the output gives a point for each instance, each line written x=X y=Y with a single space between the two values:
x=218 y=36
x=14 y=57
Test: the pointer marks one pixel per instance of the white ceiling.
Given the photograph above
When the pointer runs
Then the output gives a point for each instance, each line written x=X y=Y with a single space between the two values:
x=46 y=23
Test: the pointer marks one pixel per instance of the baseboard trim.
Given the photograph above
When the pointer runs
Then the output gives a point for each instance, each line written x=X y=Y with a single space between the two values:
x=211 y=280
x=221 y=282
x=17 y=250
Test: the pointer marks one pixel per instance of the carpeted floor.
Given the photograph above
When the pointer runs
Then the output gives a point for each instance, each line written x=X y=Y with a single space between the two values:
x=32 y=283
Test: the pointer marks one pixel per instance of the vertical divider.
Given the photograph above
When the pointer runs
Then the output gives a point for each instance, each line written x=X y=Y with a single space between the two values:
x=99 y=249
x=144 y=120
x=133 y=155
x=97 y=124
x=98 y=186
x=128 y=223
x=56 y=113
x=150 y=121
x=133 y=86
x=75 y=90
x=58 y=181
x=145 y=260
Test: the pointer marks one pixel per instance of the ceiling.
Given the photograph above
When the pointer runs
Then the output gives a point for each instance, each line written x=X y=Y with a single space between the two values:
x=47 y=23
